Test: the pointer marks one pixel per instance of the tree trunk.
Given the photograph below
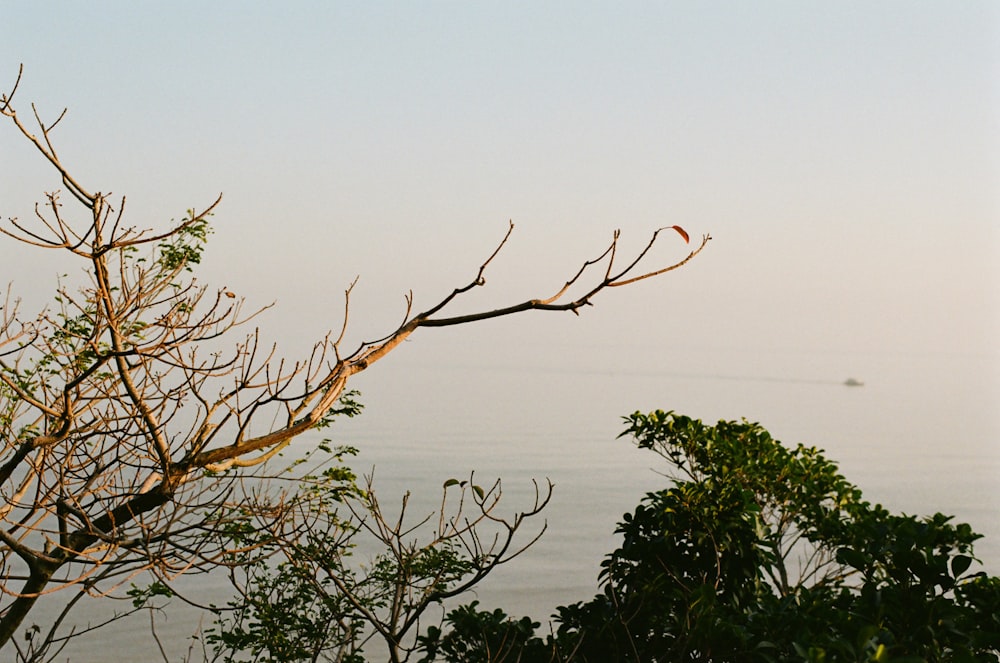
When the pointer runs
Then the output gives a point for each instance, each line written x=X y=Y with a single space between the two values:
x=22 y=605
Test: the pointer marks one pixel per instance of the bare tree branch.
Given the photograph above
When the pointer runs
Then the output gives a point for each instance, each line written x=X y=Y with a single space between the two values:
x=129 y=410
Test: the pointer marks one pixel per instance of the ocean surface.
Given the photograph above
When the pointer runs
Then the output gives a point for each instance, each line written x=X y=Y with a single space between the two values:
x=921 y=435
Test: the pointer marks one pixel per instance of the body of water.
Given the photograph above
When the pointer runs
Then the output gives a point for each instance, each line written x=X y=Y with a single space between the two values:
x=922 y=435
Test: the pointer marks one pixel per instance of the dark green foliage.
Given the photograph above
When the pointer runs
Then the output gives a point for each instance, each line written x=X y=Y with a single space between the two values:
x=288 y=608
x=478 y=636
x=184 y=247
x=303 y=595
x=347 y=406
x=758 y=552
x=754 y=552
x=277 y=617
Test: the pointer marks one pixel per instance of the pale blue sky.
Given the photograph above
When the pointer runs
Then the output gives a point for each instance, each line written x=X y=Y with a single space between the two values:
x=845 y=156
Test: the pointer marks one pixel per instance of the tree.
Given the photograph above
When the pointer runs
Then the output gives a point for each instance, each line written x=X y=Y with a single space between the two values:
x=757 y=552
x=129 y=409
x=301 y=594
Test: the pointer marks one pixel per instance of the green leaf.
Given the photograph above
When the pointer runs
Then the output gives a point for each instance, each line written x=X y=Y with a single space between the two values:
x=853 y=558
x=960 y=564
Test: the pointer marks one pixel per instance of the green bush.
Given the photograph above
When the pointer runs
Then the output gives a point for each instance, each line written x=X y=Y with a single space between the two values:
x=759 y=552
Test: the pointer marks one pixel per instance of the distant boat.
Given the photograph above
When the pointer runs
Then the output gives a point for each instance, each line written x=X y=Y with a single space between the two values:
x=851 y=382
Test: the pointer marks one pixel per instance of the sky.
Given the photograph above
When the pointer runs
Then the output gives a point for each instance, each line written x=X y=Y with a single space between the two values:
x=843 y=156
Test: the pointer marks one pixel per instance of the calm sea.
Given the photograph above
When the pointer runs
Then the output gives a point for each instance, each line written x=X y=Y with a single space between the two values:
x=922 y=435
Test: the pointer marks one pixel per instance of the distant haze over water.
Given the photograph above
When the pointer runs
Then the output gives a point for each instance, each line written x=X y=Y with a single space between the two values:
x=920 y=436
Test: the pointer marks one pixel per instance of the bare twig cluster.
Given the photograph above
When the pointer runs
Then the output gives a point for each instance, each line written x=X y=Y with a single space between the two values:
x=126 y=407
x=347 y=571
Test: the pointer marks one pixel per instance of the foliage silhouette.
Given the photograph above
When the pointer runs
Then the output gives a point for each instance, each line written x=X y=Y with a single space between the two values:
x=758 y=552
x=754 y=552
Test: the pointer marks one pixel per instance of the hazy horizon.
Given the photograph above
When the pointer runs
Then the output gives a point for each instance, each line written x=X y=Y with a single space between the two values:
x=845 y=158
